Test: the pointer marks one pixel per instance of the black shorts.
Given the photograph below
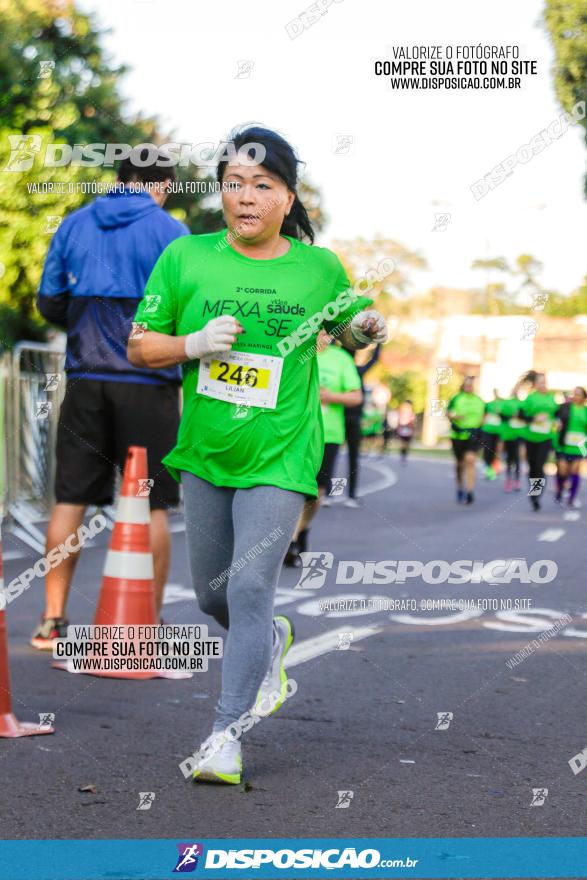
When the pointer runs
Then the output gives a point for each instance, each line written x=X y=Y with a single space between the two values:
x=326 y=472
x=98 y=422
x=568 y=456
x=460 y=447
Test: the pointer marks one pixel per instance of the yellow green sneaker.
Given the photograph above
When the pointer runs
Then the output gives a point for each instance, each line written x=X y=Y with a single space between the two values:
x=273 y=692
x=220 y=761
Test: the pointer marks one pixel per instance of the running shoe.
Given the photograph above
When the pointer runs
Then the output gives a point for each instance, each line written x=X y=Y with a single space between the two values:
x=326 y=501
x=273 y=690
x=351 y=502
x=223 y=763
x=490 y=473
x=292 y=558
x=535 y=502
x=517 y=486
x=469 y=498
x=49 y=629
x=460 y=496
x=508 y=484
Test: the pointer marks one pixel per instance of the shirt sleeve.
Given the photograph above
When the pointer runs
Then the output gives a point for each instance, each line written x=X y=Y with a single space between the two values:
x=53 y=294
x=158 y=308
x=54 y=277
x=344 y=302
x=351 y=381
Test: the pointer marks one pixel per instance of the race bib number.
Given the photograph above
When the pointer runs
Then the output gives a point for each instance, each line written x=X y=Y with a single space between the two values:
x=241 y=377
x=575 y=438
x=516 y=423
x=542 y=426
x=491 y=419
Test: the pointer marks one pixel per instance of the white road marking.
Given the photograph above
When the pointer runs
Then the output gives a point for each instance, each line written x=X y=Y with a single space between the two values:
x=571 y=515
x=551 y=535
x=326 y=642
x=178 y=593
x=389 y=478
x=7 y=555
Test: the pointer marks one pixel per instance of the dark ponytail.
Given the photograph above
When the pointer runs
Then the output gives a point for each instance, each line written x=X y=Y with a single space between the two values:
x=281 y=160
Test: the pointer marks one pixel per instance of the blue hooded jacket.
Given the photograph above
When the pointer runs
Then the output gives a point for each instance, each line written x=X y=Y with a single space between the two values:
x=94 y=276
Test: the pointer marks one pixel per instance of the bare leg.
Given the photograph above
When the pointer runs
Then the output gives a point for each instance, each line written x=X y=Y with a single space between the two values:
x=65 y=520
x=459 y=468
x=309 y=511
x=470 y=460
x=161 y=546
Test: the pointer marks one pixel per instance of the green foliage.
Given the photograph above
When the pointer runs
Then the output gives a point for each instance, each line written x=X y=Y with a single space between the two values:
x=568 y=306
x=409 y=385
x=566 y=23
x=73 y=99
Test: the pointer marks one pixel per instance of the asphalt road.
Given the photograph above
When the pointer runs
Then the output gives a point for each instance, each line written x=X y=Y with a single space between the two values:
x=364 y=718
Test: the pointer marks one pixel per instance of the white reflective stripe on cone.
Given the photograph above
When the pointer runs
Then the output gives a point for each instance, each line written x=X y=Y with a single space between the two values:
x=133 y=510
x=135 y=566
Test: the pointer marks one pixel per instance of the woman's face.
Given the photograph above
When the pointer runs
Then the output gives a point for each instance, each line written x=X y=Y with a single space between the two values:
x=578 y=396
x=540 y=383
x=256 y=202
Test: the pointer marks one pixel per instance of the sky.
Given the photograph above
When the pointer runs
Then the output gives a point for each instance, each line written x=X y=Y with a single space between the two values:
x=414 y=154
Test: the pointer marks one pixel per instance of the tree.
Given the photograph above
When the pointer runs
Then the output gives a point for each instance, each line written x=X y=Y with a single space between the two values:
x=566 y=23
x=493 y=297
x=360 y=256
x=57 y=85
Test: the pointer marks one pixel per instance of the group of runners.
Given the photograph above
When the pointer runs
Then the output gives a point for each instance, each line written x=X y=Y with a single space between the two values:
x=530 y=424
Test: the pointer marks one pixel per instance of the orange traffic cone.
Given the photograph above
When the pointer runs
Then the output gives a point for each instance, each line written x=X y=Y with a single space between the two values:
x=9 y=724
x=128 y=593
x=127 y=597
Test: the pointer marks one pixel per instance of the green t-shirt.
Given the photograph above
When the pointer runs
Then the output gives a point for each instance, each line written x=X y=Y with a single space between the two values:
x=199 y=277
x=512 y=425
x=338 y=373
x=465 y=410
x=575 y=436
x=541 y=408
x=492 y=417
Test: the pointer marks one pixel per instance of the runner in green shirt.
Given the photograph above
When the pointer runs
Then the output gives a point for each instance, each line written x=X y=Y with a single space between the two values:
x=340 y=387
x=512 y=427
x=571 y=445
x=538 y=411
x=465 y=411
x=241 y=310
x=491 y=436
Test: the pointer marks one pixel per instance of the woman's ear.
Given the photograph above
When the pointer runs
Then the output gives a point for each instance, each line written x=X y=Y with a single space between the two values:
x=291 y=197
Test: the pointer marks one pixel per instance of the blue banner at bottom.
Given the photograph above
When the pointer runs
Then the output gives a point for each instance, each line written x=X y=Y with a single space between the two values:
x=287 y=858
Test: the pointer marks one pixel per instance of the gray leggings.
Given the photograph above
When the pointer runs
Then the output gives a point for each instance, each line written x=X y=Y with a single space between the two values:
x=236 y=540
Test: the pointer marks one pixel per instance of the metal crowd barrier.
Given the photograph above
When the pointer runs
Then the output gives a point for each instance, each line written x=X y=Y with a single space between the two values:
x=33 y=385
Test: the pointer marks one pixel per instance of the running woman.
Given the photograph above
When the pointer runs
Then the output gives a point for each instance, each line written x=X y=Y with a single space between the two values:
x=240 y=309
x=571 y=444
x=491 y=435
x=465 y=411
x=538 y=411
x=405 y=429
x=512 y=427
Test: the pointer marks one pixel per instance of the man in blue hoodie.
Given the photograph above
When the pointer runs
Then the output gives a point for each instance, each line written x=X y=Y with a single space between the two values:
x=94 y=276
